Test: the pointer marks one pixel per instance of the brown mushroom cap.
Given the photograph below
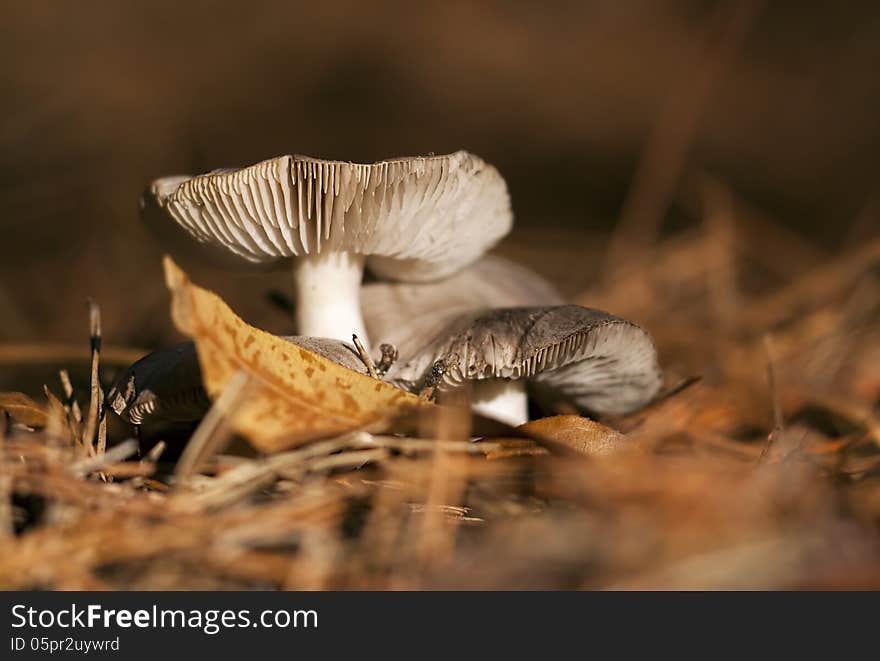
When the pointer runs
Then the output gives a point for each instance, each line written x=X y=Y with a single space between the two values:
x=166 y=385
x=597 y=361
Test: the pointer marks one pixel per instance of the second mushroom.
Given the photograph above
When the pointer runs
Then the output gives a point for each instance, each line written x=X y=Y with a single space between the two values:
x=503 y=331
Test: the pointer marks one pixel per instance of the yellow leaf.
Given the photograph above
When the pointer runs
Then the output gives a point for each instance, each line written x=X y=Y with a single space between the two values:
x=574 y=432
x=24 y=409
x=293 y=395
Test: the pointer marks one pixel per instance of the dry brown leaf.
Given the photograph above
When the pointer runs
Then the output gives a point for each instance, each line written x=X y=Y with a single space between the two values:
x=574 y=432
x=294 y=395
x=22 y=408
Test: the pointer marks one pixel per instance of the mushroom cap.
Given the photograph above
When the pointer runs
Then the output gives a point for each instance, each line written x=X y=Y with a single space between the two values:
x=418 y=218
x=595 y=360
x=167 y=385
x=411 y=315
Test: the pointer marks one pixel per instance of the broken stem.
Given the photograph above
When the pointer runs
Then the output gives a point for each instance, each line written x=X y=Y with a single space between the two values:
x=365 y=357
x=778 y=421
x=95 y=401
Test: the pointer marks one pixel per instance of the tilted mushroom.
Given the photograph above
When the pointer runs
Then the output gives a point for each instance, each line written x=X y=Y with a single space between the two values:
x=412 y=219
x=166 y=385
x=593 y=360
x=414 y=316
x=407 y=315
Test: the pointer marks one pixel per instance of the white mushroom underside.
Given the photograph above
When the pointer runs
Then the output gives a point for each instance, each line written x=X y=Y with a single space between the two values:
x=614 y=372
x=410 y=315
x=502 y=399
x=419 y=218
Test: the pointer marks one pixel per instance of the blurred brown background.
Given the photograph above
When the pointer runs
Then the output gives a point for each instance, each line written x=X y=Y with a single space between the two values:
x=781 y=101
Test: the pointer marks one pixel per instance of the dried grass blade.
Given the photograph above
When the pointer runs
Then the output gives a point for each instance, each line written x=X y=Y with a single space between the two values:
x=95 y=400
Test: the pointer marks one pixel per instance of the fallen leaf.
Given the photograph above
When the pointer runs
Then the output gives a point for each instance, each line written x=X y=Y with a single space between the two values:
x=574 y=432
x=22 y=408
x=293 y=395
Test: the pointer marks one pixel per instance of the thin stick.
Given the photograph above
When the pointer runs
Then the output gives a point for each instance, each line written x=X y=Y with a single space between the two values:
x=673 y=391
x=7 y=525
x=778 y=421
x=95 y=403
x=436 y=536
x=70 y=400
x=353 y=459
x=415 y=445
x=771 y=380
x=250 y=476
x=155 y=452
x=57 y=417
x=429 y=389
x=365 y=357
x=119 y=452
x=102 y=431
x=71 y=406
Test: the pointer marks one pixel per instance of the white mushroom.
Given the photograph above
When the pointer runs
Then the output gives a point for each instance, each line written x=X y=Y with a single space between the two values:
x=595 y=361
x=415 y=317
x=413 y=219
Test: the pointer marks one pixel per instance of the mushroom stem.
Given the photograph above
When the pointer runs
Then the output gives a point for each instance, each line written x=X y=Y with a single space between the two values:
x=504 y=400
x=328 y=295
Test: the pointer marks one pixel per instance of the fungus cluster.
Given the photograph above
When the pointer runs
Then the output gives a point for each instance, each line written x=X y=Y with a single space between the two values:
x=422 y=226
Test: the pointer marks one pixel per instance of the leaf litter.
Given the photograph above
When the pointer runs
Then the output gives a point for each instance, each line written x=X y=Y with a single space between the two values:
x=763 y=474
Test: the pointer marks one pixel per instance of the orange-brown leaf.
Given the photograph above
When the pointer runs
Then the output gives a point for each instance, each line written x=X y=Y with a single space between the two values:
x=574 y=432
x=294 y=395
